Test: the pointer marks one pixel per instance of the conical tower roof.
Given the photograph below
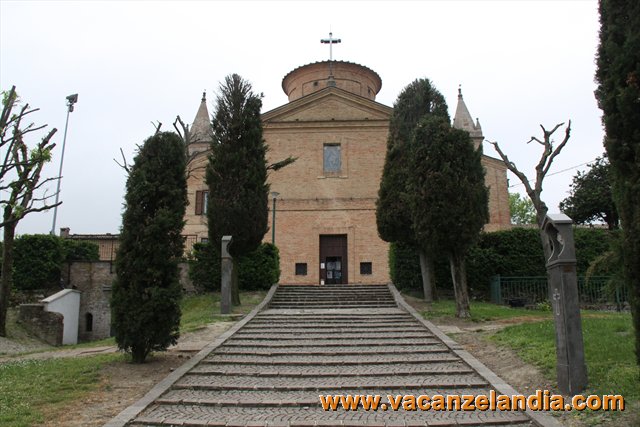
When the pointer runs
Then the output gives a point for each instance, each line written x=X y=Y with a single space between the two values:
x=201 y=127
x=463 y=119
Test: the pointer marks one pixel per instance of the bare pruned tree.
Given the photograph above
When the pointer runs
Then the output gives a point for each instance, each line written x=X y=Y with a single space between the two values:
x=21 y=185
x=549 y=153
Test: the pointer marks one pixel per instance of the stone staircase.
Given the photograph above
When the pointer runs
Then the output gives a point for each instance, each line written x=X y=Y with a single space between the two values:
x=332 y=296
x=327 y=340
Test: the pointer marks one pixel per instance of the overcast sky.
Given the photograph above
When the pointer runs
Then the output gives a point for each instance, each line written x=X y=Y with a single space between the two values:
x=520 y=64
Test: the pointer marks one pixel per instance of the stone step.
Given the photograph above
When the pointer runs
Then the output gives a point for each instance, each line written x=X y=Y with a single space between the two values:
x=359 y=360
x=327 y=307
x=334 y=295
x=323 y=320
x=330 y=336
x=416 y=343
x=295 y=398
x=266 y=325
x=332 y=330
x=215 y=382
x=319 y=371
x=435 y=347
x=212 y=416
x=338 y=303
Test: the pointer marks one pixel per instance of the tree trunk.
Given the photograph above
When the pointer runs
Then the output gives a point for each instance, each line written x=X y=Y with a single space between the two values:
x=459 y=277
x=546 y=245
x=428 y=282
x=138 y=353
x=7 y=275
x=235 y=287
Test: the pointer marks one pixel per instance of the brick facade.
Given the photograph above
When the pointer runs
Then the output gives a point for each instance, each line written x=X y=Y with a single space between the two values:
x=314 y=199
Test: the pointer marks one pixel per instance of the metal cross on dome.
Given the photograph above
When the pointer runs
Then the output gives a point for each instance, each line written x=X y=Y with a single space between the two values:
x=330 y=41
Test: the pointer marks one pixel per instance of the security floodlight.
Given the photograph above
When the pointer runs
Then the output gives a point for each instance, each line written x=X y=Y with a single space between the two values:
x=72 y=99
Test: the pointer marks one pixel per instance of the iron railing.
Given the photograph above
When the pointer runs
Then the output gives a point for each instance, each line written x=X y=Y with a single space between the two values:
x=521 y=291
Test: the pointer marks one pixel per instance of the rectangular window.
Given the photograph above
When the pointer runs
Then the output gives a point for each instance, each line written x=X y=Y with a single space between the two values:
x=301 y=268
x=366 y=268
x=202 y=202
x=204 y=240
x=332 y=159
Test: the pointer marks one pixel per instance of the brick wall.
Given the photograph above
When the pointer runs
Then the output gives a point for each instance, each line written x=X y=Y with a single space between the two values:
x=94 y=281
x=46 y=325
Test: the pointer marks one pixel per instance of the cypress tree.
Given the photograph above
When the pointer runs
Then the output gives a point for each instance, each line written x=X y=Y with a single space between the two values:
x=448 y=197
x=618 y=95
x=146 y=293
x=393 y=219
x=237 y=172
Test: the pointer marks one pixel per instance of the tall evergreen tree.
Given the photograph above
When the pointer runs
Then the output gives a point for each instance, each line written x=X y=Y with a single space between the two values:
x=237 y=172
x=618 y=95
x=448 y=198
x=417 y=100
x=146 y=294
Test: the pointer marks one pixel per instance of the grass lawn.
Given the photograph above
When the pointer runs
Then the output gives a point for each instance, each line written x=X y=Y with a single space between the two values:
x=608 y=341
x=31 y=388
x=199 y=310
x=609 y=353
x=481 y=311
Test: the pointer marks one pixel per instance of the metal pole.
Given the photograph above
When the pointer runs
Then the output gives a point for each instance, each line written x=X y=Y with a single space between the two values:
x=71 y=100
x=273 y=223
x=274 y=195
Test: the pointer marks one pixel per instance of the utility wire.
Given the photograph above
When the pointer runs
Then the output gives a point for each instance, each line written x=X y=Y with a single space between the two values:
x=559 y=172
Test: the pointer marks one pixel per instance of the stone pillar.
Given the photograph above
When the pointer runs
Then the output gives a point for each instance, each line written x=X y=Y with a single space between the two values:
x=571 y=369
x=225 y=276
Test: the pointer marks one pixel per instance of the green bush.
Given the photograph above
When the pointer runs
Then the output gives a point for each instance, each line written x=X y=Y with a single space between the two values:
x=204 y=267
x=515 y=252
x=37 y=261
x=79 y=250
x=258 y=269
x=404 y=266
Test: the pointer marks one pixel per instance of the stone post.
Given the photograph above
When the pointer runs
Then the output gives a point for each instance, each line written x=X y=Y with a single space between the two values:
x=571 y=369
x=225 y=276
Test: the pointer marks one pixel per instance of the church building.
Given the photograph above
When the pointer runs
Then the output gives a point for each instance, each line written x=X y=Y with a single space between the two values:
x=325 y=202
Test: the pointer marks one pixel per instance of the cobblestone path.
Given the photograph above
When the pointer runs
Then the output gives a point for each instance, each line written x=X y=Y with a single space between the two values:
x=326 y=340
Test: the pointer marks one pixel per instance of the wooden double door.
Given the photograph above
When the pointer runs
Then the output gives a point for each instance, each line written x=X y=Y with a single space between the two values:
x=333 y=259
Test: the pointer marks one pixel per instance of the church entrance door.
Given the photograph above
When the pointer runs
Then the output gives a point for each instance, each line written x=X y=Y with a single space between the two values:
x=333 y=259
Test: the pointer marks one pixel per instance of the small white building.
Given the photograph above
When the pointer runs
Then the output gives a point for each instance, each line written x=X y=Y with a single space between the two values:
x=67 y=303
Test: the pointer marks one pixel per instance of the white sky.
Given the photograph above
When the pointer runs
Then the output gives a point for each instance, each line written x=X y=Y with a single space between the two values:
x=520 y=64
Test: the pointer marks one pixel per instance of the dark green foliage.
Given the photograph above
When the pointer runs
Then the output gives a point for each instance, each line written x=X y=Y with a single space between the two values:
x=515 y=252
x=449 y=201
x=618 y=95
x=404 y=266
x=591 y=198
x=417 y=100
x=259 y=269
x=79 y=250
x=146 y=294
x=237 y=170
x=204 y=267
x=38 y=261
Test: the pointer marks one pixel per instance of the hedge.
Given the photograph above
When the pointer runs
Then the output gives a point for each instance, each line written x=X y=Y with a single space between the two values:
x=259 y=269
x=515 y=252
x=38 y=259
